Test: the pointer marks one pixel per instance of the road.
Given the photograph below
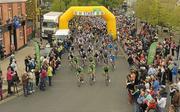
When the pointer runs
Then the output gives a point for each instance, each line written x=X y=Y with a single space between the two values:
x=65 y=96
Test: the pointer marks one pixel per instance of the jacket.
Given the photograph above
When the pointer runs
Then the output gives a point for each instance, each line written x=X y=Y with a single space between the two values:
x=176 y=99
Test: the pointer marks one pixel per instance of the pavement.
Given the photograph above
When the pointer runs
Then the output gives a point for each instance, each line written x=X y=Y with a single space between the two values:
x=65 y=96
x=19 y=56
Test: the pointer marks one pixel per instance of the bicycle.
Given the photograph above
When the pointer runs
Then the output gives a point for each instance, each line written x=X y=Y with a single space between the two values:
x=107 y=77
x=113 y=64
x=80 y=80
x=92 y=79
x=80 y=77
x=92 y=75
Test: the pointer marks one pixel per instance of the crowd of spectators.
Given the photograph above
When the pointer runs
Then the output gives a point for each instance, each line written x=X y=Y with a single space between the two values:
x=150 y=85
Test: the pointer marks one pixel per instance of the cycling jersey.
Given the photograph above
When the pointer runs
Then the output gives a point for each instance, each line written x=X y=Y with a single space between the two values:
x=79 y=70
x=84 y=55
x=92 y=68
x=75 y=60
x=96 y=55
x=106 y=69
x=112 y=57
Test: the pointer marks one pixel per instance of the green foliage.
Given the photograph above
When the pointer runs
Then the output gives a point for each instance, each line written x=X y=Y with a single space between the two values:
x=58 y=5
x=175 y=17
x=158 y=12
x=147 y=10
x=61 y=5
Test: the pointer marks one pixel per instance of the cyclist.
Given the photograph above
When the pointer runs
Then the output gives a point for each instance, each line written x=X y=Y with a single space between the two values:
x=70 y=57
x=92 y=69
x=105 y=56
x=106 y=73
x=80 y=75
x=75 y=62
x=112 y=60
x=116 y=49
x=96 y=56
x=83 y=57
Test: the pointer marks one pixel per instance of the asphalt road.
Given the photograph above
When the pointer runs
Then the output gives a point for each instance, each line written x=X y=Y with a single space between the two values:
x=65 y=96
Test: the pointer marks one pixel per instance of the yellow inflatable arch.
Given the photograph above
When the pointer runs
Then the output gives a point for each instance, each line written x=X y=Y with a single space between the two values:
x=89 y=11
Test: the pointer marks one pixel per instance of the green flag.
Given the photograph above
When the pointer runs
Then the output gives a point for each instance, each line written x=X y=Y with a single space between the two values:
x=152 y=53
x=37 y=53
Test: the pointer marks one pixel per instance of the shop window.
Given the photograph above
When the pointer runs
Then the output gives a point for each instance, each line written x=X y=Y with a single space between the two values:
x=19 y=6
x=10 y=11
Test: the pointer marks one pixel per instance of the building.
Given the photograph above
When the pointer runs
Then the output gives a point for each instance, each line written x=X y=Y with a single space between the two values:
x=13 y=28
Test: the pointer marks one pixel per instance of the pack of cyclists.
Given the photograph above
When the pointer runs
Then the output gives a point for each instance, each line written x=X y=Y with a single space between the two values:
x=91 y=46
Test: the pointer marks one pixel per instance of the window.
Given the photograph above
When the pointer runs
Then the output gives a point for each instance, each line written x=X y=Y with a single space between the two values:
x=10 y=13
x=49 y=24
x=1 y=15
x=19 y=6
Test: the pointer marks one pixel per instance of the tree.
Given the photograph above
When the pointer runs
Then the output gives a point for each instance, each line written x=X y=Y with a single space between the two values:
x=175 y=17
x=58 y=5
x=61 y=5
x=73 y=3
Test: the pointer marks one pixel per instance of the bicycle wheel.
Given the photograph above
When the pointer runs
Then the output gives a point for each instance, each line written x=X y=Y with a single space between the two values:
x=90 y=81
x=107 y=82
x=79 y=83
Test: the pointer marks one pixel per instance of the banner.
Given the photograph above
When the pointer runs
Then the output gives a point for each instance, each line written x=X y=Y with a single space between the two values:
x=37 y=53
x=152 y=53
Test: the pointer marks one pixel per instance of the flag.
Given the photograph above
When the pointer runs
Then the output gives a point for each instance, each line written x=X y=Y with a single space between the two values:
x=37 y=53
x=152 y=53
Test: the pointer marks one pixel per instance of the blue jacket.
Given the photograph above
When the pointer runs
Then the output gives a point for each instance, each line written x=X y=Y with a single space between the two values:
x=174 y=70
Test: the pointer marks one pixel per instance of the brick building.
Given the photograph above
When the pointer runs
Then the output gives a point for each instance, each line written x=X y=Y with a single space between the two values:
x=13 y=27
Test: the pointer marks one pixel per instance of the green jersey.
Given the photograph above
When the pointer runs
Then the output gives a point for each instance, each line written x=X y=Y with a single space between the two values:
x=79 y=70
x=106 y=69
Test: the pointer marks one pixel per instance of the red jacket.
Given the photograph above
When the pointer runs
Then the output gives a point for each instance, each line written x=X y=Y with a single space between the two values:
x=9 y=75
x=43 y=73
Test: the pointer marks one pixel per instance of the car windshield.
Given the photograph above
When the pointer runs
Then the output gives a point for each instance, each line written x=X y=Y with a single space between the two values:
x=49 y=24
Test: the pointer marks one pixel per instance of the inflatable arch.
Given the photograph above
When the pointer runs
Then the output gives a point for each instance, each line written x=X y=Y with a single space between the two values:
x=89 y=11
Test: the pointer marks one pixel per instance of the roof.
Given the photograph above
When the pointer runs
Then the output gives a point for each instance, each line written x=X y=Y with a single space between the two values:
x=10 y=1
x=62 y=32
x=53 y=14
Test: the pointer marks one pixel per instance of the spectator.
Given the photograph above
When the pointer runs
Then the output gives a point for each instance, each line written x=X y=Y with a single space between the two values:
x=178 y=84
x=161 y=102
x=15 y=81
x=174 y=73
x=9 y=79
x=26 y=61
x=152 y=70
x=37 y=76
x=50 y=74
x=130 y=61
x=43 y=79
x=156 y=84
x=176 y=100
x=1 y=85
x=31 y=81
x=25 y=80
